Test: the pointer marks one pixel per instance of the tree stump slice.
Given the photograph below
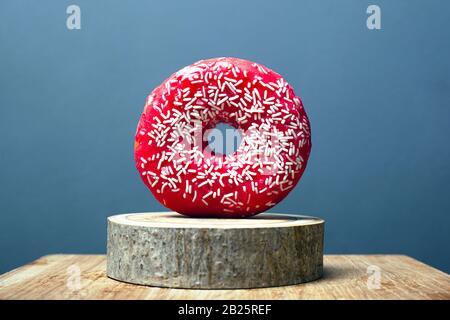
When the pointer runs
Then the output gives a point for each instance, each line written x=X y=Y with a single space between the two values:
x=171 y=250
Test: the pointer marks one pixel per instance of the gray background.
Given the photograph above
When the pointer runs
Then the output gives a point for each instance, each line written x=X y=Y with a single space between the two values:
x=378 y=101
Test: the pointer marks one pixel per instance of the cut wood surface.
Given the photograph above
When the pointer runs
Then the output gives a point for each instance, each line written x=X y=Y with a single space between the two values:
x=167 y=249
x=345 y=277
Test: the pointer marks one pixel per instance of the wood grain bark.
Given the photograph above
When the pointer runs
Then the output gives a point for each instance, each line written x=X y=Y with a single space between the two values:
x=169 y=250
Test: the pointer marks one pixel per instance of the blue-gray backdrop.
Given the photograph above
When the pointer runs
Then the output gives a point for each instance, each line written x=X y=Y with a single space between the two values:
x=378 y=101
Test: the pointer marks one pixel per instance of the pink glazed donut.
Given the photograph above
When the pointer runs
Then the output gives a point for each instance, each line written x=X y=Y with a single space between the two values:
x=177 y=164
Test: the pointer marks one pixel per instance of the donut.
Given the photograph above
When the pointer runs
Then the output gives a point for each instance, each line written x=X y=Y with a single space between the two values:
x=180 y=169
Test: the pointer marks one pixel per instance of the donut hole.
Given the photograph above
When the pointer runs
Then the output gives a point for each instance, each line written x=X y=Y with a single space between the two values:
x=223 y=139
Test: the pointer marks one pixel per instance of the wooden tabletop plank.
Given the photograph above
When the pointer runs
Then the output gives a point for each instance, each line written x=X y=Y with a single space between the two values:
x=345 y=277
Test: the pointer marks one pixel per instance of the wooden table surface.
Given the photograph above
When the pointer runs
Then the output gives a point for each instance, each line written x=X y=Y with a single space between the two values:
x=345 y=277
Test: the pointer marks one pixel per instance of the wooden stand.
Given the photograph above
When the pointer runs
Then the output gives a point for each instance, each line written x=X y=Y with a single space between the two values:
x=171 y=250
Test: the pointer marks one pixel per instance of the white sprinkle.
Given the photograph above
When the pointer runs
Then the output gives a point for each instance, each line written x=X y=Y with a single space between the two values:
x=207 y=195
